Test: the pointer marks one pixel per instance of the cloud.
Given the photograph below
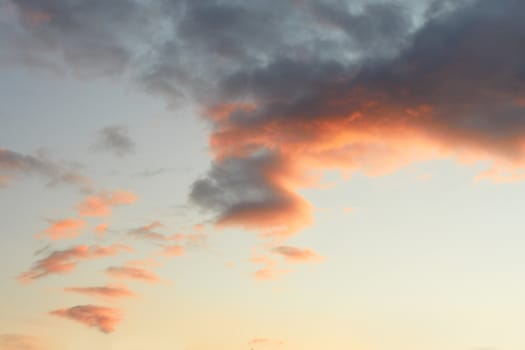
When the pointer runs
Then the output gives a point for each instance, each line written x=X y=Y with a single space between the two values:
x=13 y=164
x=294 y=254
x=115 y=139
x=92 y=37
x=21 y=342
x=147 y=232
x=132 y=273
x=64 y=229
x=102 y=203
x=65 y=261
x=100 y=229
x=106 y=292
x=101 y=317
x=301 y=87
x=173 y=250
x=254 y=193
x=269 y=271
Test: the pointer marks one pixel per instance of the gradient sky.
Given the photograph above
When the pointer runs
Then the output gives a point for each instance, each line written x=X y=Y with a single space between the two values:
x=288 y=174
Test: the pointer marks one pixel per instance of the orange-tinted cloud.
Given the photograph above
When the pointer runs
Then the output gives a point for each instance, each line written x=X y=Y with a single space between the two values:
x=101 y=317
x=102 y=204
x=64 y=229
x=111 y=292
x=173 y=250
x=132 y=273
x=294 y=254
x=255 y=192
x=65 y=261
x=269 y=271
x=100 y=230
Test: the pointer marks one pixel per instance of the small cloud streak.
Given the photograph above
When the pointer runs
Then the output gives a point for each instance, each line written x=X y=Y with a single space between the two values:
x=111 y=292
x=101 y=204
x=297 y=255
x=65 y=261
x=13 y=164
x=132 y=273
x=148 y=232
x=101 y=317
x=64 y=229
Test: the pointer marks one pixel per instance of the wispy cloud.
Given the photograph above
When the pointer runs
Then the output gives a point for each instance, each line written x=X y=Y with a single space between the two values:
x=116 y=140
x=14 y=164
x=103 y=203
x=132 y=273
x=294 y=254
x=148 y=232
x=173 y=250
x=64 y=228
x=101 y=317
x=65 y=261
x=105 y=292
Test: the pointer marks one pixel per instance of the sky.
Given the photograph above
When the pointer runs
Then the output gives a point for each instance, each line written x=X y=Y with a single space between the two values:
x=266 y=175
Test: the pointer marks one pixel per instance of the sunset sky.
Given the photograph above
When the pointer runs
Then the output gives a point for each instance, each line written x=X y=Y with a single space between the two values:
x=262 y=174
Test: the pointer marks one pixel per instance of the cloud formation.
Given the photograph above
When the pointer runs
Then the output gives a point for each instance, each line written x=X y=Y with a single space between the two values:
x=116 y=140
x=300 y=87
x=173 y=250
x=14 y=164
x=132 y=273
x=147 y=232
x=101 y=317
x=294 y=254
x=64 y=229
x=65 y=261
x=106 y=292
x=102 y=203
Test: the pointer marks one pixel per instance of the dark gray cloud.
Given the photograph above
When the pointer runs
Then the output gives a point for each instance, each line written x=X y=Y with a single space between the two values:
x=116 y=140
x=14 y=164
x=93 y=37
x=246 y=191
x=310 y=83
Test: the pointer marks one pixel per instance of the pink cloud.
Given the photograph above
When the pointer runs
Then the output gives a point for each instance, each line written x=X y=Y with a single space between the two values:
x=132 y=273
x=294 y=254
x=100 y=230
x=65 y=261
x=64 y=229
x=269 y=271
x=101 y=317
x=112 y=292
x=173 y=250
x=102 y=204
